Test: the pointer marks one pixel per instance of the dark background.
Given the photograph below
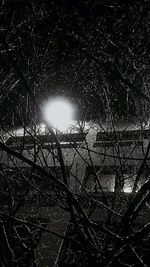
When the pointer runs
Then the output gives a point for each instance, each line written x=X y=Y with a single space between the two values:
x=96 y=53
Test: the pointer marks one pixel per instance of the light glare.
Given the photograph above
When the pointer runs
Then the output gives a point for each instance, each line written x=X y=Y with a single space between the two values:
x=58 y=113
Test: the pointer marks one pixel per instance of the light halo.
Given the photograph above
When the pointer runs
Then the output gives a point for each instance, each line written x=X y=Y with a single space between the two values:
x=58 y=113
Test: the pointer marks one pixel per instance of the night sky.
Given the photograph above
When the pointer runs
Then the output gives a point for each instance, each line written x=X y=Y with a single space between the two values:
x=96 y=53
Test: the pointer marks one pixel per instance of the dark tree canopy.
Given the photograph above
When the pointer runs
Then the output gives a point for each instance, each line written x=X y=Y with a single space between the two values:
x=93 y=52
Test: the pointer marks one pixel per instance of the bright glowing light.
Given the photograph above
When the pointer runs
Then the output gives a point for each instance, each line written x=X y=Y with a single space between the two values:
x=127 y=190
x=58 y=113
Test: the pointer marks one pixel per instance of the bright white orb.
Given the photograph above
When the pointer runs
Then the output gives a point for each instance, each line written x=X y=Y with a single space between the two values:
x=58 y=113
